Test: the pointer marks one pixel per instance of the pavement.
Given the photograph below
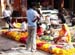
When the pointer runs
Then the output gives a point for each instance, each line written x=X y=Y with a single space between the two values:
x=23 y=52
x=11 y=47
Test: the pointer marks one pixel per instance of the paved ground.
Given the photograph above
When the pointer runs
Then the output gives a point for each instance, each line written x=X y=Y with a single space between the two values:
x=7 y=44
x=24 y=52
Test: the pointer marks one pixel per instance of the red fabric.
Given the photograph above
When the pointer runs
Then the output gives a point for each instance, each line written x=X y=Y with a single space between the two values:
x=39 y=31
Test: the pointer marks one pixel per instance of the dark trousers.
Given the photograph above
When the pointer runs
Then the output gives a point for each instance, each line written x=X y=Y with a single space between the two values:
x=7 y=19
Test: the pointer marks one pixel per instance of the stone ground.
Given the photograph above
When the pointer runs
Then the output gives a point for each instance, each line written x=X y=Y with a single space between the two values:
x=23 y=52
x=8 y=47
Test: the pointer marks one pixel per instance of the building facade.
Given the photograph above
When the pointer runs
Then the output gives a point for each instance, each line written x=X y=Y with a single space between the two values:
x=18 y=5
x=68 y=4
x=21 y=5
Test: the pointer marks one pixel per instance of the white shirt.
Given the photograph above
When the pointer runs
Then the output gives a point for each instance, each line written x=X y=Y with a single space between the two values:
x=24 y=26
x=7 y=13
x=47 y=20
x=43 y=26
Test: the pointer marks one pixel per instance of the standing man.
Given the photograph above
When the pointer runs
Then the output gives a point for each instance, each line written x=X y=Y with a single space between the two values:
x=32 y=16
x=7 y=15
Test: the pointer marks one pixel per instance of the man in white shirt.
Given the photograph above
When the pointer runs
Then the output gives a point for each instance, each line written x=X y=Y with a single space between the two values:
x=7 y=14
x=32 y=16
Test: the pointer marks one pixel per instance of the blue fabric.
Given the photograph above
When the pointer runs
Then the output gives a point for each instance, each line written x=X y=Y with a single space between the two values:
x=31 y=16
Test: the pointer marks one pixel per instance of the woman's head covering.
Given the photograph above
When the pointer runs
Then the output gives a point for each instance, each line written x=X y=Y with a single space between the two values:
x=67 y=30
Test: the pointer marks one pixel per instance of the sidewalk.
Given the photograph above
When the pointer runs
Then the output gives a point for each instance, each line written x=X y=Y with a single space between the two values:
x=8 y=47
x=23 y=52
